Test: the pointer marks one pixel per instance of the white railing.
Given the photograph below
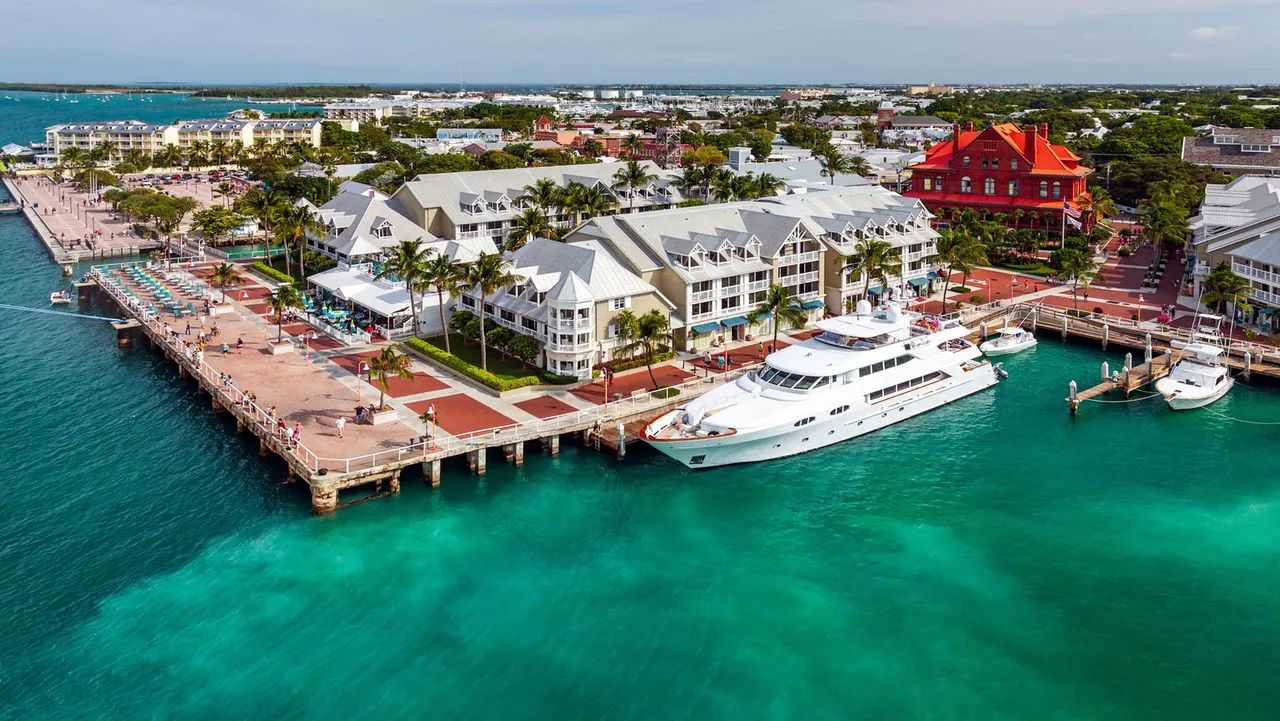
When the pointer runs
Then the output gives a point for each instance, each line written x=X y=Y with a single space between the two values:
x=702 y=295
x=1265 y=297
x=574 y=324
x=756 y=285
x=797 y=258
x=1251 y=272
x=584 y=347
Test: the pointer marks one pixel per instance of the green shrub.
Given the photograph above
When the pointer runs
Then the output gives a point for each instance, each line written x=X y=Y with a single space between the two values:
x=977 y=299
x=960 y=289
x=626 y=365
x=272 y=273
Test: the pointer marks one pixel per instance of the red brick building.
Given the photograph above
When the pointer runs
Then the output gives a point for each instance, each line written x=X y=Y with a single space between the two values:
x=1002 y=170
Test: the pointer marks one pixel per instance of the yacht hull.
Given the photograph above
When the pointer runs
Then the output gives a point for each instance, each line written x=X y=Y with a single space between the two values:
x=1180 y=400
x=995 y=350
x=772 y=443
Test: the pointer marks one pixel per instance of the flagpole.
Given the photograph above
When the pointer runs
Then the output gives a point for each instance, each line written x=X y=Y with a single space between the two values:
x=1062 y=242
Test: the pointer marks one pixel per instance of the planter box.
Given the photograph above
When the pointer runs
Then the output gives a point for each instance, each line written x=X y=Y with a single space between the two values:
x=387 y=416
x=222 y=310
x=280 y=348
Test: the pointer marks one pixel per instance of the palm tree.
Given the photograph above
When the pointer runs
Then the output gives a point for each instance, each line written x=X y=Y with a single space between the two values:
x=650 y=333
x=294 y=224
x=875 y=259
x=587 y=201
x=72 y=157
x=956 y=249
x=781 y=306
x=170 y=156
x=529 y=224
x=632 y=176
x=406 y=261
x=544 y=194
x=858 y=165
x=626 y=322
x=631 y=144
x=487 y=274
x=387 y=364
x=833 y=163
x=767 y=184
x=224 y=190
x=282 y=299
x=222 y=274
x=441 y=274
x=691 y=180
x=721 y=184
x=219 y=149
x=1222 y=287
x=1079 y=268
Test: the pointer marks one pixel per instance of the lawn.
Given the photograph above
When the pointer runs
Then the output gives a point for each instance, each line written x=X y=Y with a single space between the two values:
x=500 y=365
x=1041 y=269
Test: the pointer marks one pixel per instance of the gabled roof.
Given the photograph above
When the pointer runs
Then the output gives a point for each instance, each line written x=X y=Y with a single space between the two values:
x=1050 y=159
x=576 y=271
x=357 y=215
x=1263 y=250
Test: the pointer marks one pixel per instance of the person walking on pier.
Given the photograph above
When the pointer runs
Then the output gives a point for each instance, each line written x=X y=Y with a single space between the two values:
x=340 y=423
x=296 y=437
x=239 y=345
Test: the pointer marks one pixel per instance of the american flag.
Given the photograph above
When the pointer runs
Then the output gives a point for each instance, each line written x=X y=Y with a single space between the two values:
x=1073 y=212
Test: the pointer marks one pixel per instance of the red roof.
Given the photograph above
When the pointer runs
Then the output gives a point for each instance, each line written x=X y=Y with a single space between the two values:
x=1050 y=159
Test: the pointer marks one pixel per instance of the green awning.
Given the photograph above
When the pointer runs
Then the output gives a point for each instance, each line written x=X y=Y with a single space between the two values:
x=765 y=315
x=705 y=328
x=875 y=290
x=813 y=304
x=918 y=282
x=733 y=322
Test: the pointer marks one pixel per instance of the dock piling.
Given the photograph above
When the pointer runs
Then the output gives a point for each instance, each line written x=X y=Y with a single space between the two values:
x=1106 y=335
x=1146 y=355
x=1073 y=403
x=476 y=461
x=1106 y=370
x=1248 y=364
x=552 y=445
x=622 y=440
x=1064 y=327
x=431 y=471
x=324 y=500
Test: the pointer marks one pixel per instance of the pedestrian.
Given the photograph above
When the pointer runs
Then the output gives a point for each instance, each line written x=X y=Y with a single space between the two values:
x=340 y=423
x=188 y=330
x=239 y=345
x=760 y=349
x=297 y=434
x=225 y=349
x=706 y=357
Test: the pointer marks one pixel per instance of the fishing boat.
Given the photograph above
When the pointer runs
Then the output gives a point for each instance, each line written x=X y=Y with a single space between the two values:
x=1008 y=341
x=1200 y=376
x=59 y=297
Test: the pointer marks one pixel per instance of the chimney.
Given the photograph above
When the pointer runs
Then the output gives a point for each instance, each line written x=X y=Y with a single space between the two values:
x=968 y=125
x=1029 y=134
x=955 y=135
x=1044 y=130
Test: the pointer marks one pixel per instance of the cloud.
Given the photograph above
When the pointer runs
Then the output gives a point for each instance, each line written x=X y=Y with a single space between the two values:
x=1182 y=55
x=1212 y=32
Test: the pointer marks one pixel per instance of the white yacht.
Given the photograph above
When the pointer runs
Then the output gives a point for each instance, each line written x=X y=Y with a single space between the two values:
x=1008 y=341
x=864 y=371
x=1197 y=379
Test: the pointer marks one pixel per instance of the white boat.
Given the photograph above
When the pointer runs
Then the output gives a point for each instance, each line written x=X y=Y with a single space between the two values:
x=60 y=296
x=1008 y=341
x=864 y=371
x=1197 y=379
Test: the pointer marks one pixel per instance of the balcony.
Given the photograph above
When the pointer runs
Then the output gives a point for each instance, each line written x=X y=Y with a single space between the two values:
x=564 y=324
x=1272 y=299
x=1249 y=271
x=797 y=258
x=799 y=278
x=757 y=285
x=703 y=295
x=570 y=347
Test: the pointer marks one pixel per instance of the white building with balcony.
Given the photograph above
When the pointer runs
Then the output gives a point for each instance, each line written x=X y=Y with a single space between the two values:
x=716 y=262
x=1259 y=263
x=850 y=217
x=482 y=203
x=1231 y=216
x=568 y=301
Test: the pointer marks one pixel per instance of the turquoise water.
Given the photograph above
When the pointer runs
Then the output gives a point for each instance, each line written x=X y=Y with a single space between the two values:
x=24 y=115
x=992 y=560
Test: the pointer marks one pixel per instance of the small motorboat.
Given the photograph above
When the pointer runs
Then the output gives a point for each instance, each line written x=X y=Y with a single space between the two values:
x=60 y=296
x=1197 y=379
x=1008 y=341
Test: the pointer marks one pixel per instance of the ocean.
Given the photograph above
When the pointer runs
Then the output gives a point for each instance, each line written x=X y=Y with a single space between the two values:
x=995 y=559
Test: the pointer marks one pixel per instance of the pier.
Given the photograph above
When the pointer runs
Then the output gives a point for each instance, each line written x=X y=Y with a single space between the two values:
x=67 y=235
x=290 y=386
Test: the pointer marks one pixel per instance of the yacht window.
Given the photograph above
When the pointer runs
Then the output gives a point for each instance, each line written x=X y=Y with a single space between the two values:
x=838 y=410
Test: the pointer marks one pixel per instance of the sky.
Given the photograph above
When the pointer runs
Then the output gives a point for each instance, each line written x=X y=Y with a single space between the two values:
x=644 y=41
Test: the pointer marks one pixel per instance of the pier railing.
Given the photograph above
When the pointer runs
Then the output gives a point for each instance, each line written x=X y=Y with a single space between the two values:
x=425 y=448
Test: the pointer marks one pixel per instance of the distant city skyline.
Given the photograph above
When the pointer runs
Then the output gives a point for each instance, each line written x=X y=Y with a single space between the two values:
x=689 y=42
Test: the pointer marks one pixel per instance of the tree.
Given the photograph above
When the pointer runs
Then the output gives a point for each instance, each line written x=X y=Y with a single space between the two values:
x=859 y=165
x=170 y=156
x=224 y=190
x=1222 y=287
x=651 y=333
x=216 y=222
x=487 y=274
x=631 y=145
x=957 y=250
x=222 y=274
x=294 y=223
x=626 y=322
x=387 y=364
x=442 y=275
x=529 y=224
x=875 y=259
x=632 y=176
x=281 y=300
x=1078 y=267
x=781 y=306
x=834 y=163
x=498 y=160
x=406 y=262
x=707 y=156
x=767 y=184
x=544 y=194
x=587 y=201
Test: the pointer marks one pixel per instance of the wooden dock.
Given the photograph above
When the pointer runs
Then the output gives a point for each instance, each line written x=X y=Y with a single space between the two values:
x=1126 y=380
x=329 y=477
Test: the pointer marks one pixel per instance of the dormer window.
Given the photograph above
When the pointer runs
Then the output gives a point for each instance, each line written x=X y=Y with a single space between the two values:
x=966 y=161
x=1013 y=163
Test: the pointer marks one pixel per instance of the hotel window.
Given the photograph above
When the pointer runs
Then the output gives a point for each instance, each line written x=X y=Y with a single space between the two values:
x=966 y=161
x=937 y=184
x=1013 y=188
x=984 y=163
x=966 y=185
x=1057 y=189
x=1013 y=163
x=995 y=163
x=928 y=184
x=989 y=186
x=619 y=303
x=1044 y=188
